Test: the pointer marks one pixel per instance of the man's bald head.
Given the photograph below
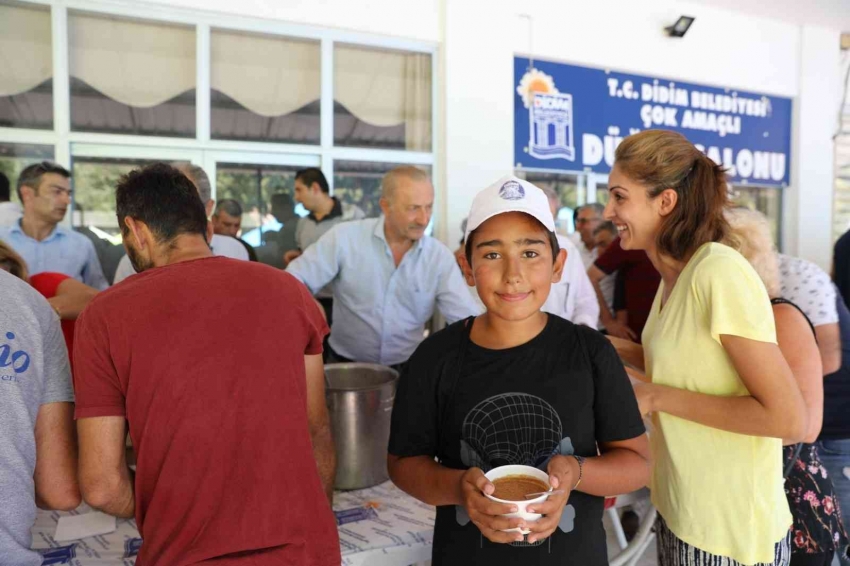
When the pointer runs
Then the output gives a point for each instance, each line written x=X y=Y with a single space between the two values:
x=395 y=177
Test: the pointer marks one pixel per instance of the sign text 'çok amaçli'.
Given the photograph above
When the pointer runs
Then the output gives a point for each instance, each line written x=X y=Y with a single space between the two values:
x=573 y=118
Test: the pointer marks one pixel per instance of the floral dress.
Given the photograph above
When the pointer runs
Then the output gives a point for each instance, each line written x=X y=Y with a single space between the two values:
x=817 y=527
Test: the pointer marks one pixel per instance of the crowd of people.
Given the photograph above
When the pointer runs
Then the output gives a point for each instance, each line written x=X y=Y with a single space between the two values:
x=666 y=343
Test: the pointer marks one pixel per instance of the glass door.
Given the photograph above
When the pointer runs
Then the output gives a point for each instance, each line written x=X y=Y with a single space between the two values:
x=95 y=170
x=263 y=187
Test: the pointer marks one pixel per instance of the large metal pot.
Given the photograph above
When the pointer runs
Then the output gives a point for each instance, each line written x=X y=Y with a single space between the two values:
x=360 y=403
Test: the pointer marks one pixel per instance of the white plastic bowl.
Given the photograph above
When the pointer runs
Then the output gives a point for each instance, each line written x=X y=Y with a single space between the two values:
x=503 y=471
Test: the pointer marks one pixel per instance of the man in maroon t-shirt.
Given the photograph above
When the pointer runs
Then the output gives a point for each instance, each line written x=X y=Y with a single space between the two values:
x=234 y=456
x=640 y=282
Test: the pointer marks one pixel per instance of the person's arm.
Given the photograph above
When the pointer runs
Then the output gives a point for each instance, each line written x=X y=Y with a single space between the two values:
x=105 y=479
x=630 y=352
x=56 y=458
x=92 y=271
x=596 y=275
x=829 y=346
x=434 y=484
x=290 y=256
x=319 y=421
x=319 y=264
x=613 y=260
x=798 y=346
x=71 y=298
x=774 y=407
x=454 y=300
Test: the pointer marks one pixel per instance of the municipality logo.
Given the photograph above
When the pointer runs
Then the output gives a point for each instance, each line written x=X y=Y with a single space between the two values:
x=551 y=131
x=512 y=191
x=550 y=117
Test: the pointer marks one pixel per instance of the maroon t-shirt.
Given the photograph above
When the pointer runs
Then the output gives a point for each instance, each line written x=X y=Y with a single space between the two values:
x=640 y=280
x=205 y=358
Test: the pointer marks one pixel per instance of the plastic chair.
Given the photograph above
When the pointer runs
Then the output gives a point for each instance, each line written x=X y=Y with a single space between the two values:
x=631 y=551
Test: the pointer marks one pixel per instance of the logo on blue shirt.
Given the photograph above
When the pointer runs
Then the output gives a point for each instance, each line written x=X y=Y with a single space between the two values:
x=17 y=360
x=512 y=191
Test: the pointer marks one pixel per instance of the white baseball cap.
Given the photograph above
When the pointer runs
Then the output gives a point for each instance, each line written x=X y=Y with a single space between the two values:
x=509 y=194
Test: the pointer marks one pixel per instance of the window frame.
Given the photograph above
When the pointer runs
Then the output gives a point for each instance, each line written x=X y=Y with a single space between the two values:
x=62 y=138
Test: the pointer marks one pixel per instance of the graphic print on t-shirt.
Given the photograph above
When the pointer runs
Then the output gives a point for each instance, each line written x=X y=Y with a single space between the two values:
x=13 y=361
x=513 y=429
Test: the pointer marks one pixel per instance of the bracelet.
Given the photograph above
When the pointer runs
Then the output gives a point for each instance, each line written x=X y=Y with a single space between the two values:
x=56 y=310
x=580 y=460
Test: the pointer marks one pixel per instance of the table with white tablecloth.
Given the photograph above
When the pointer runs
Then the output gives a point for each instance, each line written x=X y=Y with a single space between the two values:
x=379 y=526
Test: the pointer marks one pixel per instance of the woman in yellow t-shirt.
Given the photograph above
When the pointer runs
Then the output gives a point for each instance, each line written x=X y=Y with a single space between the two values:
x=720 y=393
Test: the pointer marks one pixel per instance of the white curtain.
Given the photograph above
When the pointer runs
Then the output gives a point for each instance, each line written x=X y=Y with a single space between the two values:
x=26 y=57
x=386 y=88
x=268 y=75
x=141 y=64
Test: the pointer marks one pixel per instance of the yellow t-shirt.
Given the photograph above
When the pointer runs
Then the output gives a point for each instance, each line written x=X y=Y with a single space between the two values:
x=721 y=492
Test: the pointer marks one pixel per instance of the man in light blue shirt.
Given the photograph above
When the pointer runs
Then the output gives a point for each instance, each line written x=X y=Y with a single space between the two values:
x=45 y=191
x=388 y=276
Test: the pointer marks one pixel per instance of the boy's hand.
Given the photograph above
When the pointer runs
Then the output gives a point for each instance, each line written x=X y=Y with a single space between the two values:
x=563 y=473
x=484 y=512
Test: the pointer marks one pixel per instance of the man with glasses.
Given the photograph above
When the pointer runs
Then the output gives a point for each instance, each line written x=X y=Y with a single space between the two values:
x=588 y=218
x=45 y=192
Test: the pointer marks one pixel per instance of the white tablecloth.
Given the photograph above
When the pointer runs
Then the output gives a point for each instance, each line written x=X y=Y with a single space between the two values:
x=397 y=532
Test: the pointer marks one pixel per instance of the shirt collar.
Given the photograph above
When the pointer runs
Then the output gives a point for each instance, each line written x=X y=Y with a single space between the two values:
x=378 y=232
x=57 y=232
x=336 y=212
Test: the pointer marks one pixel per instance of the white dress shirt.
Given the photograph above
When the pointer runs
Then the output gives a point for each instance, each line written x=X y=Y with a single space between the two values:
x=573 y=297
x=380 y=310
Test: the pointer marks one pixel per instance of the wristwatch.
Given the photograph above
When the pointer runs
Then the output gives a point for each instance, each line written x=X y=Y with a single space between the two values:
x=580 y=460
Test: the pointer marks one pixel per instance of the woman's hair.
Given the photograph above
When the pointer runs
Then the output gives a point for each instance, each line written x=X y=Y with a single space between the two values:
x=749 y=234
x=13 y=263
x=663 y=160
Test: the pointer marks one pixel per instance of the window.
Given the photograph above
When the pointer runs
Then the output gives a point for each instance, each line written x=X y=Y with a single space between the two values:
x=265 y=88
x=265 y=193
x=131 y=76
x=602 y=193
x=14 y=157
x=94 y=181
x=359 y=183
x=382 y=98
x=766 y=200
x=568 y=189
x=26 y=76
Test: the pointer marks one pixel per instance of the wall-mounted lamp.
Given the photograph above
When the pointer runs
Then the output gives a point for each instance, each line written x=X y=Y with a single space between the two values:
x=681 y=27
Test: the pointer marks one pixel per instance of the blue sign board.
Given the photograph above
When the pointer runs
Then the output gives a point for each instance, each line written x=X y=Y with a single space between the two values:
x=572 y=118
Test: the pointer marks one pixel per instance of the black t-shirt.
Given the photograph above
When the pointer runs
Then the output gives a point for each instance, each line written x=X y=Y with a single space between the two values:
x=560 y=393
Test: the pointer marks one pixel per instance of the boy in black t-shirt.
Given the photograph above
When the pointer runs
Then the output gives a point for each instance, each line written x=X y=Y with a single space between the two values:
x=516 y=386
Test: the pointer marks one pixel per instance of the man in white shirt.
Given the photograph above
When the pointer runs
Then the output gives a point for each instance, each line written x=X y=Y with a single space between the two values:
x=10 y=212
x=388 y=276
x=588 y=218
x=573 y=297
x=226 y=246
